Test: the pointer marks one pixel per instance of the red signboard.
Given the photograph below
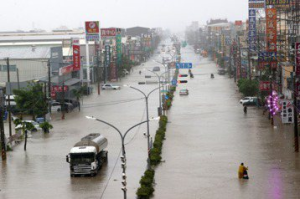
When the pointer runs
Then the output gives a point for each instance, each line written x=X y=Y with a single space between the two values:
x=53 y=95
x=108 y=32
x=92 y=27
x=271 y=27
x=264 y=86
x=55 y=89
x=238 y=23
x=65 y=70
x=76 y=55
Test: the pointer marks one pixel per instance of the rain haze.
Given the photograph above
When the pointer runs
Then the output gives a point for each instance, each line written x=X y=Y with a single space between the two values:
x=170 y=14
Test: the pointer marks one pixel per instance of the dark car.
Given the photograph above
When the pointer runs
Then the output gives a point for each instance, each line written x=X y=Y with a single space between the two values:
x=221 y=71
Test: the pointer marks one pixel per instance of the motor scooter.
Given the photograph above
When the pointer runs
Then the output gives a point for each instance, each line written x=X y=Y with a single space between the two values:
x=212 y=76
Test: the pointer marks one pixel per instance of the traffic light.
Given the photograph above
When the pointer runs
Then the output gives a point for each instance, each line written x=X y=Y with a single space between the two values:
x=182 y=75
x=182 y=81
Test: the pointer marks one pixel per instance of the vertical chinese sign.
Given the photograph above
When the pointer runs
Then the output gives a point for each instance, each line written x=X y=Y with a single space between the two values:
x=252 y=30
x=76 y=54
x=119 y=47
x=297 y=58
x=107 y=59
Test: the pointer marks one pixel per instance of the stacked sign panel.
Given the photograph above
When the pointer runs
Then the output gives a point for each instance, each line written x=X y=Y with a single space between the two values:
x=92 y=30
x=76 y=54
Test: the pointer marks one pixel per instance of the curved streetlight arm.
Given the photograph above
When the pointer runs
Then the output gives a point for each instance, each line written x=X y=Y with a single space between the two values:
x=138 y=90
x=152 y=91
x=134 y=127
x=110 y=126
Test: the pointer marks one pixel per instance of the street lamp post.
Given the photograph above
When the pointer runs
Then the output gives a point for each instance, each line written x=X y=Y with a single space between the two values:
x=147 y=113
x=159 y=79
x=123 y=157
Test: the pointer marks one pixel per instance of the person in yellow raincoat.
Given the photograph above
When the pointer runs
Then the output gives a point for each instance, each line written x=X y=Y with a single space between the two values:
x=242 y=170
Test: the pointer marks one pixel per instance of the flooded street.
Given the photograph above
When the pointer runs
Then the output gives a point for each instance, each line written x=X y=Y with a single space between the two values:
x=207 y=138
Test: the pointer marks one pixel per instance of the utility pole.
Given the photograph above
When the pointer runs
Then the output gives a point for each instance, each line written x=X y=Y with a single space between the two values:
x=18 y=78
x=296 y=135
x=49 y=84
x=3 y=147
x=63 y=99
x=8 y=97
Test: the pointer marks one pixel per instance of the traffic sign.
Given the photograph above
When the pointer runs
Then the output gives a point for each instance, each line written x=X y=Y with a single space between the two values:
x=184 y=65
x=174 y=82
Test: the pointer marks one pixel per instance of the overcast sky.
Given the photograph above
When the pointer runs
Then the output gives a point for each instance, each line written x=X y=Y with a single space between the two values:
x=168 y=14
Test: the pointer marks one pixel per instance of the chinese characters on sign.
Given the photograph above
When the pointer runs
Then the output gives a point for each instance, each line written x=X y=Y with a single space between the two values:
x=252 y=30
x=92 y=30
x=271 y=26
x=58 y=89
x=107 y=55
x=113 y=71
x=108 y=32
x=264 y=86
x=287 y=114
x=277 y=2
x=119 y=48
x=76 y=54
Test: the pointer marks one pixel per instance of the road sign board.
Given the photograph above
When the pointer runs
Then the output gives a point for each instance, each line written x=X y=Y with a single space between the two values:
x=174 y=82
x=164 y=91
x=184 y=65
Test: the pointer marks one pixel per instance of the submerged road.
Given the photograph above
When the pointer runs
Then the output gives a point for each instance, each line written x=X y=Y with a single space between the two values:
x=209 y=136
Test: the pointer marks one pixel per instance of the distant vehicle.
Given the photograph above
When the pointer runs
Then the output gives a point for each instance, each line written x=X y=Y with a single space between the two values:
x=156 y=69
x=125 y=72
x=184 y=91
x=248 y=101
x=35 y=124
x=221 y=71
x=110 y=86
x=88 y=155
x=57 y=107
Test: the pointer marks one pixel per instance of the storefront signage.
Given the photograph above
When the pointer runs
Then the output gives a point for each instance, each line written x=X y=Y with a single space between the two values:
x=76 y=54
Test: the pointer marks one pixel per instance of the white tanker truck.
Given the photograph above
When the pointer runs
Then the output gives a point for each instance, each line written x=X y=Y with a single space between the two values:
x=88 y=155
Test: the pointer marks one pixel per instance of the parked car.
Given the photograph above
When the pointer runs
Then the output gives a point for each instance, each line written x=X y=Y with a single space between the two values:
x=57 y=107
x=221 y=71
x=110 y=86
x=184 y=91
x=249 y=101
x=156 y=69
x=35 y=124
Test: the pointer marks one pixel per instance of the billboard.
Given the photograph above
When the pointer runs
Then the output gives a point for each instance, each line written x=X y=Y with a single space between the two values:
x=107 y=55
x=256 y=4
x=92 y=30
x=119 y=48
x=297 y=58
x=108 y=32
x=65 y=70
x=113 y=71
x=271 y=26
x=264 y=86
x=76 y=54
x=277 y=2
x=252 y=30
x=238 y=23
x=287 y=114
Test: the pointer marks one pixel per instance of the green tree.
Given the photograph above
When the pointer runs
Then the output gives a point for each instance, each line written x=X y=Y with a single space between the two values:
x=248 y=87
x=78 y=93
x=31 y=100
x=46 y=126
x=25 y=127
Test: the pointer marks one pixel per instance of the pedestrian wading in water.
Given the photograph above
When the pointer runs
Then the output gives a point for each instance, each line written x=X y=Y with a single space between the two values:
x=242 y=173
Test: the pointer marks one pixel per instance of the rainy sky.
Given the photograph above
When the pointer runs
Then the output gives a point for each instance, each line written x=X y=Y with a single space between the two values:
x=168 y=14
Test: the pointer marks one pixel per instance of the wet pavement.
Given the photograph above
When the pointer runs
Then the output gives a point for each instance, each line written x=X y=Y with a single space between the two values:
x=209 y=136
x=42 y=171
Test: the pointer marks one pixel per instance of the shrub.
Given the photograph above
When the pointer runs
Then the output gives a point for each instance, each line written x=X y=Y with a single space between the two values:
x=144 y=192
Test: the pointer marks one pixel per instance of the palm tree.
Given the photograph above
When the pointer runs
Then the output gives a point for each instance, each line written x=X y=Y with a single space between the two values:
x=25 y=127
x=46 y=126
x=78 y=93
